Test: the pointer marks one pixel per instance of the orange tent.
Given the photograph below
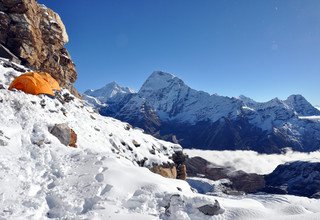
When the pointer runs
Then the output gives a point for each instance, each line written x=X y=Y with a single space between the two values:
x=53 y=83
x=35 y=83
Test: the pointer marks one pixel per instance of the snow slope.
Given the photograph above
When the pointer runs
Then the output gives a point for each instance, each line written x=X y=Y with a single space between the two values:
x=40 y=178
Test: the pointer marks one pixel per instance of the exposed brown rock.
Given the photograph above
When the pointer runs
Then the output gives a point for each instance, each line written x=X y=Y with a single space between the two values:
x=182 y=172
x=73 y=139
x=37 y=36
x=168 y=172
x=179 y=158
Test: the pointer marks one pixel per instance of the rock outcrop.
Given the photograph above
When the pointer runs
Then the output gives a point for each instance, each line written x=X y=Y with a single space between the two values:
x=298 y=178
x=177 y=170
x=239 y=181
x=165 y=171
x=179 y=158
x=36 y=35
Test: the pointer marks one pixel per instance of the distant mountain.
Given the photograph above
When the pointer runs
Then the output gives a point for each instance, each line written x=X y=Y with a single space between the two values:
x=301 y=105
x=169 y=109
x=111 y=92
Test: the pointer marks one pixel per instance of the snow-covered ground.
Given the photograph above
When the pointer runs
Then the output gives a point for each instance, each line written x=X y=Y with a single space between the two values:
x=251 y=161
x=41 y=178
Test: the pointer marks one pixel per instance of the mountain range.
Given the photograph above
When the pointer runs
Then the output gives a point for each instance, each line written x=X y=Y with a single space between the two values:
x=169 y=109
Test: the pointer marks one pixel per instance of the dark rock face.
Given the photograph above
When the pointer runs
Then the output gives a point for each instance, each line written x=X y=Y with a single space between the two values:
x=240 y=180
x=227 y=134
x=5 y=53
x=296 y=178
x=36 y=35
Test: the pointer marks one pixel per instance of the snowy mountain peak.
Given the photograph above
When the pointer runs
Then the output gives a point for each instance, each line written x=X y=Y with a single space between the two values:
x=246 y=100
x=110 y=90
x=301 y=106
x=161 y=74
x=159 y=80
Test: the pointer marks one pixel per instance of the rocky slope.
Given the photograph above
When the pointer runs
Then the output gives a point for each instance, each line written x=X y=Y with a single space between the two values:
x=167 y=108
x=300 y=178
x=232 y=181
x=36 y=35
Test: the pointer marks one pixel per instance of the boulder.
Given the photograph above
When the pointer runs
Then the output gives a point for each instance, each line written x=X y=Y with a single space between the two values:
x=66 y=135
x=36 y=35
x=135 y=143
x=298 y=178
x=211 y=209
x=165 y=171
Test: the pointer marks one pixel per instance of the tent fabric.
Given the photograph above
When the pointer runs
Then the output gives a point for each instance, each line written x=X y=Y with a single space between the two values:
x=53 y=83
x=35 y=83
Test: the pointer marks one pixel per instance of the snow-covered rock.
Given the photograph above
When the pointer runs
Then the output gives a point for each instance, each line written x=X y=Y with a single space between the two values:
x=169 y=109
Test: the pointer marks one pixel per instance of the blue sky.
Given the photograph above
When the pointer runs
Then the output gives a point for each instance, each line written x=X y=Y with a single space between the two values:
x=262 y=49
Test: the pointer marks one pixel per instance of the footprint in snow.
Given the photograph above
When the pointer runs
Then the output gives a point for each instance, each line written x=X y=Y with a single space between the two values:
x=98 y=163
x=106 y=189
x=99 y=177
x=103 y=169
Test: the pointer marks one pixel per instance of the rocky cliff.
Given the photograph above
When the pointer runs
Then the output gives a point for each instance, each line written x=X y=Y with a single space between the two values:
x=36 y=35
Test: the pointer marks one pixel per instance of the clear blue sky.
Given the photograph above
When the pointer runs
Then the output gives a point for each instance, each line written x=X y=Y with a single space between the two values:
x=262 y=49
